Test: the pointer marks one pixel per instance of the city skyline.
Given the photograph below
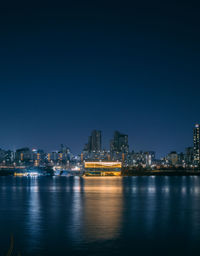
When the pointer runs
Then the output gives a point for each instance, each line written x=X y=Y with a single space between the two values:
x=92 y=152
x=118 y=142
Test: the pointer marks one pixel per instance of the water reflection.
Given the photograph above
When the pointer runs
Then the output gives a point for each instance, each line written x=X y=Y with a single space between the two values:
x=103 y=206
x=33 y=216
x=77 y=210
x=74 y=215
x=97 y=210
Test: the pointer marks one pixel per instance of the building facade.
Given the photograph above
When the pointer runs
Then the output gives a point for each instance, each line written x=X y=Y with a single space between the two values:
x=119 y=143
x=196 y=140
x=94 y=142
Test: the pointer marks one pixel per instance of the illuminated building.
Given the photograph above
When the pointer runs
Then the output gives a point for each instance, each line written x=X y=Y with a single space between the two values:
x=49 y=157
x=103 y=168
x=7 y=156
x=66 y=152
x=123 y=157
x=173 y=158
x=37 y=161
x=23 y=155
x=196 y=140
x=81 y=157
x=149 y=158
x=142 y=158
x=60 y=156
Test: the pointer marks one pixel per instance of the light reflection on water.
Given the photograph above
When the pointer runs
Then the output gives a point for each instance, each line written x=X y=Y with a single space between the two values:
x=102 y=211
x=33 y=216
x=95 y=216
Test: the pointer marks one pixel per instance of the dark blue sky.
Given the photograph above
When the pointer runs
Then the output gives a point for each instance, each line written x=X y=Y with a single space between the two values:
x=69 y=67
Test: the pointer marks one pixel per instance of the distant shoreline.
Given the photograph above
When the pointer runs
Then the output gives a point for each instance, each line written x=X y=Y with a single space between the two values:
x=129 y=173
x=144 y=172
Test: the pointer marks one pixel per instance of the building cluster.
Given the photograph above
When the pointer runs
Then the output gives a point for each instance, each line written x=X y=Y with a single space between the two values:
x=119 y=151
x=190 y=158
x=38 y=158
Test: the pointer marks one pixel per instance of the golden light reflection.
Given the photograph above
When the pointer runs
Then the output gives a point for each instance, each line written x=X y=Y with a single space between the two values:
x=102 y=214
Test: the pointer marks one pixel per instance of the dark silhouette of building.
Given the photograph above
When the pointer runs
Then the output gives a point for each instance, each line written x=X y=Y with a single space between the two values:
x=119 y=144
x=197 y=144
x=94 y=142
x=189 y=155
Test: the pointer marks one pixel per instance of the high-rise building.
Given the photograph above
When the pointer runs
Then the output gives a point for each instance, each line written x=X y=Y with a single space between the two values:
x=181 y=159
x=119 y=144
x=172 y=158
x=94 y=142
x=23 y=155
x=196 y=140
x=149 y=158
x=189 y=155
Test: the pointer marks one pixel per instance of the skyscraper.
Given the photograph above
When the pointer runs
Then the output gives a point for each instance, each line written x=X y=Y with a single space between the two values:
x=119 y=144
x=197 y=145
x=94 y=141
x=189 y=155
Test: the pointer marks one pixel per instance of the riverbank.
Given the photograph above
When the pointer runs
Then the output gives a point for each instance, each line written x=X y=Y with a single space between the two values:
x=12 y=172
x=133 y=172
x=125 y=172
x=6 y=172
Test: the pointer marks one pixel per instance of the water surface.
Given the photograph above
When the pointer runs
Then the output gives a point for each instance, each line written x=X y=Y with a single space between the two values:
x=101 y=216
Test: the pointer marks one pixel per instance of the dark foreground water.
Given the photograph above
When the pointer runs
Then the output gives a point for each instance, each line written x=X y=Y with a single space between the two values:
x=101 y=216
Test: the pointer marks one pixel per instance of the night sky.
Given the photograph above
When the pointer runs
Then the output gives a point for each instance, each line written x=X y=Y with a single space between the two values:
x=69 y=67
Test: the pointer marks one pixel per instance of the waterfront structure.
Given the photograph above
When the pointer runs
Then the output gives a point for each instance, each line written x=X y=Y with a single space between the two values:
x=94 y=142
x=103 y=168
x=196 y=140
